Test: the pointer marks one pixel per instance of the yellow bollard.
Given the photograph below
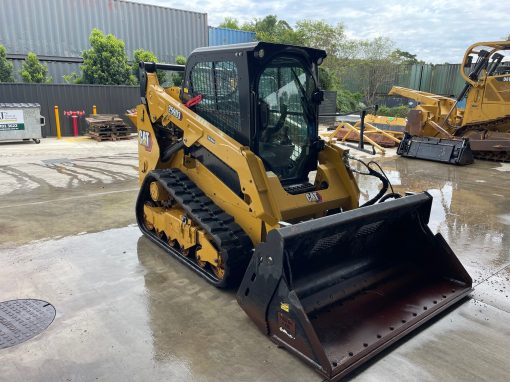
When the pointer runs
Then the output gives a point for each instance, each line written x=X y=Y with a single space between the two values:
x=94 y=110
x=57 y=122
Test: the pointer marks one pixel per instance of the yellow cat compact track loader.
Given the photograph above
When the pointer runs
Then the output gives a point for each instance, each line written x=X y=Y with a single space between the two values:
x=439 y=129
x=236 y=184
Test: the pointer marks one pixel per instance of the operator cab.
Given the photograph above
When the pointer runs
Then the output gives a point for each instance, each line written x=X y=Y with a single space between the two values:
x=279 y=118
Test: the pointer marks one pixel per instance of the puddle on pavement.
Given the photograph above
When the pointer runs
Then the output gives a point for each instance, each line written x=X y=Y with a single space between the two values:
x=474 y=220
x=135 y=303
x=141 y=311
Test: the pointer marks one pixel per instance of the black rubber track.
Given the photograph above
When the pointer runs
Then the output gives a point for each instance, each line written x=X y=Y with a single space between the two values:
x=233 y=244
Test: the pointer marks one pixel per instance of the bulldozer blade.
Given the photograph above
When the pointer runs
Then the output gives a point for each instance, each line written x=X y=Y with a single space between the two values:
x=453 y=151
x=339 y=289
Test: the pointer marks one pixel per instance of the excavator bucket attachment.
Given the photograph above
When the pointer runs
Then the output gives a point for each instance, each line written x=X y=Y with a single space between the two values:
x=339 y=289
x=454 y=151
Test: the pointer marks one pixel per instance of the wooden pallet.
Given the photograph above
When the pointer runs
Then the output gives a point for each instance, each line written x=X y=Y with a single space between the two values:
x=107 y=127
x=110 y=137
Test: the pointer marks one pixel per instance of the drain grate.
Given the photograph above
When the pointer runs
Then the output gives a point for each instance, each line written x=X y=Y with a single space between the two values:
x=21 y=320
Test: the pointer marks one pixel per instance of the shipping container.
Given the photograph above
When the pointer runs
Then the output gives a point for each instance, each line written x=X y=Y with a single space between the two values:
x=61 y=28
x=225 y=36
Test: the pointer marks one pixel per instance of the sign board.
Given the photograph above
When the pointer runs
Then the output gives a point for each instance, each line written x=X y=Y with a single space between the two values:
x=11 y=119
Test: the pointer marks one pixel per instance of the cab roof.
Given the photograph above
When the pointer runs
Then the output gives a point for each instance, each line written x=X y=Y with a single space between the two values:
x=314 y=54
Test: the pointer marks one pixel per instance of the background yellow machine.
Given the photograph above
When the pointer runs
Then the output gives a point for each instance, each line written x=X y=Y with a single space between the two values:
x=237 y=185
x=439 y=129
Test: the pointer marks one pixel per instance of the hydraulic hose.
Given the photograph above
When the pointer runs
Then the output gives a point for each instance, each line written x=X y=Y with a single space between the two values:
x=380 y=197
x=383 y=189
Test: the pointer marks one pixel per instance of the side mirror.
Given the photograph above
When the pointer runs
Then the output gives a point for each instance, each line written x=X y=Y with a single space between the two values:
x=318 y=96
x=264 y=114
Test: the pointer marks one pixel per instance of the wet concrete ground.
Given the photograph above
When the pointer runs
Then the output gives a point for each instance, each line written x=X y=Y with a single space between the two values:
x=126 y=311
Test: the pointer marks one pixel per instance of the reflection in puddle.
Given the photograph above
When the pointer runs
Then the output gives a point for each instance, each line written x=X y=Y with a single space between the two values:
x=188 y=316
x=471 y=218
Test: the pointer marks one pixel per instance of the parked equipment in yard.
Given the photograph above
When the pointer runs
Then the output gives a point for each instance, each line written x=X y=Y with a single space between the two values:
x=224 y=165
x=439 y=129
x=21 y=121
x=379 y=131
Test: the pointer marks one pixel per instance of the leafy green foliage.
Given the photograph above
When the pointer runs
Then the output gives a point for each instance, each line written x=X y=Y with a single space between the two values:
x=403 y=57
x=106 y=62
x=72 y=78
x=147 y=56
x=397 y=111
x=177 y=78
x=327 y=78
x=180 y=60
x=271 y=29
x=230 y=23
x=347 y=101
x=33 y=71
x=6 y=67
x=370 y=65
x=319 y=34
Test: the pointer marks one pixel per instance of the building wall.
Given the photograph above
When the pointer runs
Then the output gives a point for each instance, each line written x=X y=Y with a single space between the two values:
x=225 y=36
x=59 y=29
x=108 y=100
x=56 y=70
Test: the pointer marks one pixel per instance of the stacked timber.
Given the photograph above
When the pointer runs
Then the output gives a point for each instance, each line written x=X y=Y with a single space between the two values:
x=107 y=127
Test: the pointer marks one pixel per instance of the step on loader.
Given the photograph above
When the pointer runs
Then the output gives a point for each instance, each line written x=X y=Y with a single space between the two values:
x=237 y=185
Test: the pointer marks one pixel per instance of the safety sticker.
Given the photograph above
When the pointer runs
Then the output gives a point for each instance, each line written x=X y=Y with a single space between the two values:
x=287 y=325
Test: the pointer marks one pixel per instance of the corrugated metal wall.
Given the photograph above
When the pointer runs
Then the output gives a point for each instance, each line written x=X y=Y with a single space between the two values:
x=56 y=70
x=443 y=79
x=108 y=99
x=225 y=36
x=61 y=28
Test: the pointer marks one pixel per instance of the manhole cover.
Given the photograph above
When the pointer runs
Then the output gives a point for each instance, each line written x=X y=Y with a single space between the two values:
x=21 y=320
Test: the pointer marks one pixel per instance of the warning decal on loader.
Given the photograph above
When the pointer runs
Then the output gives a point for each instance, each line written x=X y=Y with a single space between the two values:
x=287 y=325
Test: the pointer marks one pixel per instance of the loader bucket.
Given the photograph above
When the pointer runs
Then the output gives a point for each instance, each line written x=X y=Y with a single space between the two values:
x=453 y=151
x=339 y=289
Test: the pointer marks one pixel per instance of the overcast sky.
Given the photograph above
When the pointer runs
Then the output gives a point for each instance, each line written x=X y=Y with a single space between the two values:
x=436 y=30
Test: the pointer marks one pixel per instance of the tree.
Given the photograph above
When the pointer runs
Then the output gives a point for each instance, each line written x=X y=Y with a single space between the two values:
x=33 y=71
x=271 y=29
x=178 y=77
x=230 y=23
x=147 y=56
x=106 y=62
x=5 y=66
x=373 y=65
x=321 y=35
x=405 y=57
